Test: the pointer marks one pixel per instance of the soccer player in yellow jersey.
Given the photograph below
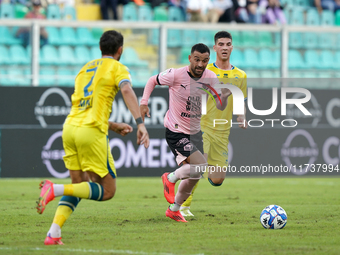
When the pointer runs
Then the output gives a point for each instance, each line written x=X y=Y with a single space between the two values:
x=87 y=152
x=216 y=139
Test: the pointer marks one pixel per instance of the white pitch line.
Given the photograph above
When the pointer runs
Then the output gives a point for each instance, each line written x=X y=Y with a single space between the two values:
x=91 y=251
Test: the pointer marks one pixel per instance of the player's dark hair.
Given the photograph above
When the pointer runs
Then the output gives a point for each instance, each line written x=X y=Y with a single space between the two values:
x=110 y=42
x=201 y=48
x=222 y=34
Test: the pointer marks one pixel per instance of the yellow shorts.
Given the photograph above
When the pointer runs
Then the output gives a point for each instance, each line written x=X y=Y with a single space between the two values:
x=87 y=149
x=216 y=146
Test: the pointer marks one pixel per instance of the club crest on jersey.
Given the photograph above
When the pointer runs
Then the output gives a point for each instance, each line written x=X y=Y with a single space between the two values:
x=188 y=147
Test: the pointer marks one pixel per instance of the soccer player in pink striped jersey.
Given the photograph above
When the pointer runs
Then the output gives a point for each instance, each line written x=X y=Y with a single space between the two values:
x=182 y=122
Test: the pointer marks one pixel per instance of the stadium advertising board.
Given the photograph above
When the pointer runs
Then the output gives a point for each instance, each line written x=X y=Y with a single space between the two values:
x=31 y=144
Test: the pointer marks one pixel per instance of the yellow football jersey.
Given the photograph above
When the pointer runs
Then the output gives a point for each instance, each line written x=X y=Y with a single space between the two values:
x=236 y=77
x=96 y=86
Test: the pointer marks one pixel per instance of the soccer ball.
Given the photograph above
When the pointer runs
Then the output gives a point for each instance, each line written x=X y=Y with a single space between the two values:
x=274 y=217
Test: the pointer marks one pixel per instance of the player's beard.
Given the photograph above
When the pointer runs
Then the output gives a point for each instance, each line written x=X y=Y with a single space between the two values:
x=194 y=70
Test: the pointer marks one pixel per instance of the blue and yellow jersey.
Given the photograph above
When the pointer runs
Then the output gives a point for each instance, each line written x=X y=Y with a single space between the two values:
x=236 y=77
x=96 y=86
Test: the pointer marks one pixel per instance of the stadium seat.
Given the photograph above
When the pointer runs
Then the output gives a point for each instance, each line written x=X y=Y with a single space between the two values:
x=337 y=18
x=175 y=14
x=20 y=11
x=85 y=37
x=296 y=17
x=47 y=77
x=327 y=60
x=16 y=77
x=49 y=55
x=336 y=46
x=97 y=33
x=185 y=52
x=66 y=55
x=69 y=13
x=65 y=77
x=326 y=40
x=295 y=40
x=236 y=38
x=252 y=74
x=265 y=39
x=312 y=59
x=237 y=58
x=189 y=38
x=327 y=18
x=130 y=12
x=4 y=55
x=96 y=53
x=249 y=38
x=160 y=13
x=337 y=61
x=206 y=37
x=18 y=55
x=6 y=36
x=312 y=17
x=174 y=38
x=251 y=59
x=310 y=40
x=54 y=36
x=130 y=58
x=68 y=36
x=145 y=13
x=6 y=11
x=82 y=55
x=295 y=60
x=53 y=11
x=303 y=3
x=266 y=57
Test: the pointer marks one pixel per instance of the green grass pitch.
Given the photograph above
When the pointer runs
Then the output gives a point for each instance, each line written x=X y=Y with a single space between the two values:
x=226 y=219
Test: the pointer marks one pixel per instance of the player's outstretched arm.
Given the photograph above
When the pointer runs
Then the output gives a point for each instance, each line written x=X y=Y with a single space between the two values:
x=132 y=104
x=149 y=87
x=120 y=128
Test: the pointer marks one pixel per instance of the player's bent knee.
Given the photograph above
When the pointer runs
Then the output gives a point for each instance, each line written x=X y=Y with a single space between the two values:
x=216 y=181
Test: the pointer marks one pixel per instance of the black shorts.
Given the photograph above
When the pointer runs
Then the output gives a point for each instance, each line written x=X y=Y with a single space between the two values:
x=183 y=145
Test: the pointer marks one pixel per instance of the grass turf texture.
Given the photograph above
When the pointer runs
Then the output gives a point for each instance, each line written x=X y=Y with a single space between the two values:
x=226 y=219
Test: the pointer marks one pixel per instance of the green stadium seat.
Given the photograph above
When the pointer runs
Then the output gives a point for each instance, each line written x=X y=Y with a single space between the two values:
x=49 y=55
x=251 y=59
x=20 y=11
x=53 y=11
x=303 y=3
x=327 y=60
x=295 y=40
x=4 y=56
x=6 y=36
x=47 y=77
x=65 y=77
x=326 y=40
x=96 y=53
x=327 y=18
x=309 y=75
x=68 y=36
x=310 y=40
x=336 y=46
x=97 y=33
x=69 y=13
x=212 y=57
x=185 y=52
x=160 y=13
x=295 y=60
x=296 y=17
x=312 y=59
x=337 y=18
x=206 y=37
x=236 y=58
x=130 y=12
x=85 y=37
x=130 y=58
x=312 y=17
x=82 y=55
x=266 y=57
x=265 y=39
x=252 y=74
x=145 y=13
x=175 y=14
x=236 y=38
x=16 y=76
x=174 y=38
x=295 y=75
x=66 y=55
x=189 y=38
x=18 y=55
x=3 y=77
x=249 y=38
x=337 y=61
x=6 y=11
x=54 y=36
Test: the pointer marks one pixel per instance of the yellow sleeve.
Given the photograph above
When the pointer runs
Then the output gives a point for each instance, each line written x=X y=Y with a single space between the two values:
x=122 y=75
x=244 y=87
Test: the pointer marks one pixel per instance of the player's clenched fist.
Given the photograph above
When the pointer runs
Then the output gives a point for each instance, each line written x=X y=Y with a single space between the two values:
x=144 y=110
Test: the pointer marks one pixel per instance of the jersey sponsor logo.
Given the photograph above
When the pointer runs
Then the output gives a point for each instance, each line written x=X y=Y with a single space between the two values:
x=43 y=109
x=85 y=103
x=182 y=141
